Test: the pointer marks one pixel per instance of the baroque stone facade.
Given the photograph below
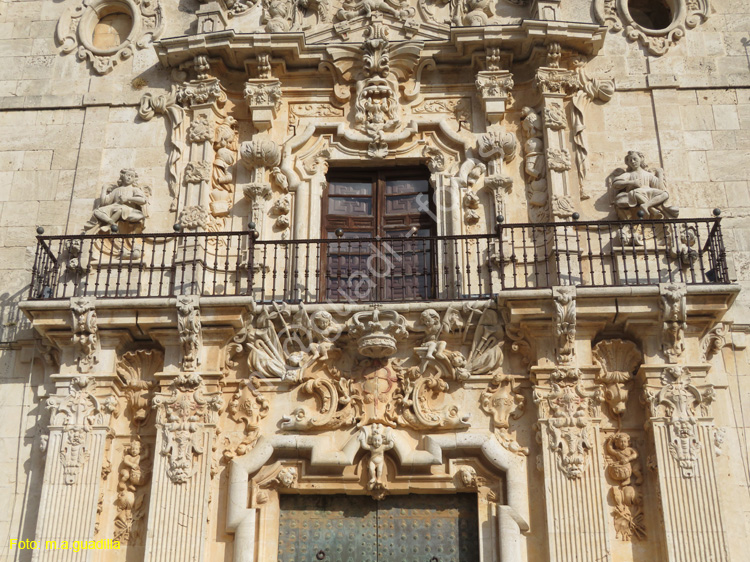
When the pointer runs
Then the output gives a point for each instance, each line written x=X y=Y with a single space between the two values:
x=375 y=249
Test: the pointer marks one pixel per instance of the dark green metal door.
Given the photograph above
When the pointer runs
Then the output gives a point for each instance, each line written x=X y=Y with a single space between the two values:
x=413 y=528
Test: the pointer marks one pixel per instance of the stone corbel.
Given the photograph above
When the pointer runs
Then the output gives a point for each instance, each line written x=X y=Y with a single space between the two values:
x=564 y=298
x=190 y=331
x=85 y=332
x=673 y=298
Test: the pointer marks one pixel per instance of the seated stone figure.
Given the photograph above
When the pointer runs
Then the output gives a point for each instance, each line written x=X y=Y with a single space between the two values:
x=640 y=189
x=124 y=201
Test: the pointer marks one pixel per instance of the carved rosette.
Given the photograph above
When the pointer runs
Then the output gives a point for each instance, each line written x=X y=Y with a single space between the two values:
x=183 y=416
x=75 y=30
x=76 y=414
x=686 y=14
x=566 y=408
x=618 y=360
x=678 y=404
x=85 y=332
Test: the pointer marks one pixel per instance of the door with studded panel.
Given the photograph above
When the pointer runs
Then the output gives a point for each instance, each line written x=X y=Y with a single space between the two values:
x=410 y=528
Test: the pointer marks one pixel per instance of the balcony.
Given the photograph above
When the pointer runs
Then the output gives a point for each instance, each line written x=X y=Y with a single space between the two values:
x=361 y=270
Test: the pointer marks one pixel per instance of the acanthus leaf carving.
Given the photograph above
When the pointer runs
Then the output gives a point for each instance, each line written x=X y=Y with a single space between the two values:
x=713 y=342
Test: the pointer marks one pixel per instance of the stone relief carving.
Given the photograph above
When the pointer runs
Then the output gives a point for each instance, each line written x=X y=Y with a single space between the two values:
x=132 y=369
x=503 y=402
x=182 y=416
x=377 y=332
x=460 y=108
x=713 y=342
x=194 y=217
x=189 y=328
x=554 y=117
x=640 y=189
x=377 y=439
x=679 y=402
x=497 y=147
x=258 y=156
x=76 y=414
x=263 y=97
x=618 y=361
x=566 y=408
x=131 y=493
x=494 y=88
x=624 y=470
x=564 y=299
x=686 y=14
x=535 y=165
x=197 y=171
x=200 y=130
x=76 y=30
x=463 y=185
x=376 y=70
x=673 y=298
x=249 y=411
x=85 y=332
x=558 y=160
x=225 y=156
x=121 y=204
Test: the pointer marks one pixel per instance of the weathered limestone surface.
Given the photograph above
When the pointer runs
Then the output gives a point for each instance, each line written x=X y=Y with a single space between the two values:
x=630 y=403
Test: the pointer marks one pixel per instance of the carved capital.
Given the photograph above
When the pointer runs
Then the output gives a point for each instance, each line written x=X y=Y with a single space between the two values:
x=494 y=88
x=263 y=97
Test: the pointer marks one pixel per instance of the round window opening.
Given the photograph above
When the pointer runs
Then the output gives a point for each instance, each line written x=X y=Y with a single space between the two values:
x=651 y=14
x=112 y=30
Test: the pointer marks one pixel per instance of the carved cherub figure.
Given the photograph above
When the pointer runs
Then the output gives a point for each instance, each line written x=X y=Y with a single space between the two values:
x=430 y=319
x=131 y=473
x=124 y=201
x=378 y=441
x=622 y=456
x=641 y=189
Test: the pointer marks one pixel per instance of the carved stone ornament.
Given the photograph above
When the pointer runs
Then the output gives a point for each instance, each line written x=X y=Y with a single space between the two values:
x=263 y=97
x=535 y=165
x=79 y=25
x=132 y=370
x=494 y=88
x=197 y=171
x=131 y=502
x=624 y=471
x=248 y=407
x=259 y=156
x=377 y=69
x=377 y=332
x=673 y=299
x=195 y=217
x=564 y=299
x=76 y=414
x=503 y=403
x=554 y=117
x=558 y=160
x=123 y=204
x=566 y=408
x=377 y=439
x=85 y=332
x=182 y=416
x=686 y=14
x=618 y=360
x=189 y=329
x=713 y=342
x=678 y=402
x=640 y=189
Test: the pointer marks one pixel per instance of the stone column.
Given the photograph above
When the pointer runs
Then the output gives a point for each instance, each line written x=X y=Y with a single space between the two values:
x=574 y=482
x=682 y=430
x=80 y=413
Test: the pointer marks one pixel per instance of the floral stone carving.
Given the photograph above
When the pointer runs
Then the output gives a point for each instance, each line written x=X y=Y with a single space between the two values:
x=85 y=332
x=565 y=322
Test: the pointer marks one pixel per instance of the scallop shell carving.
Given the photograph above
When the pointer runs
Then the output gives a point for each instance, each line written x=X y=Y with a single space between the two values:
x=618 y=359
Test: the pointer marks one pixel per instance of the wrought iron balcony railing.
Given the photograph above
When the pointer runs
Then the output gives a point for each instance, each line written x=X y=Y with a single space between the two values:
x=353 y=269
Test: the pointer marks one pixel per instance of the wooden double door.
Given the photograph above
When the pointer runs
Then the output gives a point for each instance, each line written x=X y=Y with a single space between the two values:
x=381 y=230
x=410 y=528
